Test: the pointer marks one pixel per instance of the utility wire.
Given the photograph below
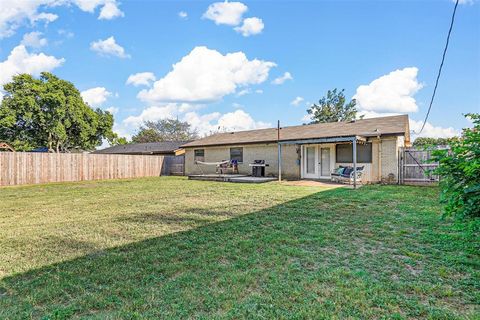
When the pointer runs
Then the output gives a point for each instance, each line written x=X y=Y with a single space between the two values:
x=440 y=69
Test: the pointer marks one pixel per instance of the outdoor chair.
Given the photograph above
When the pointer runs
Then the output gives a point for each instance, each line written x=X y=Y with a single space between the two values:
x=225 y=167
x=346 y=174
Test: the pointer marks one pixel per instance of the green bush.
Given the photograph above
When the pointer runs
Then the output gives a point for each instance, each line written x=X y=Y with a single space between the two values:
x=459 y=170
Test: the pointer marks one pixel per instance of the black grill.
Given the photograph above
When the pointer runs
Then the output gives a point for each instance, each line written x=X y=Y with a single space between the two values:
x=258 y=168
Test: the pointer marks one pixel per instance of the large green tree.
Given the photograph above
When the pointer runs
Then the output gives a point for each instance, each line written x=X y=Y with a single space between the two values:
x=50 y=112
x=165 y=130
x=333 y=108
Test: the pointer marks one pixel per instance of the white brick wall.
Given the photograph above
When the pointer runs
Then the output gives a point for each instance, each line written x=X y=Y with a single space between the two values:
x=384 y=159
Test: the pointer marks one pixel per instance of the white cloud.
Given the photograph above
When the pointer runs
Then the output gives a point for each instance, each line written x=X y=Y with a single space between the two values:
x=88 y=5
x=415 y=126
x=66 y=33
x=183 y=15
x=240 y=120
x=296 y=101
x=21 y=61
x=280 y=80
x=154 y=113
x=392 y=92
x=112 y=110
x=95 y=97
x=431 y=131
x=248 y=91
x=34 y=40
x=204 y=123
x=307 y=118
x=250 y=26
x=110 y=11
x=464 y=1
x=233 y=121
x=229 y=13
x=16 y=13
x=373 y=114
x=141 y=78
x=207 y=75
x=108 y=47
x=237 y=105
x=122 y=131
x=243 y=92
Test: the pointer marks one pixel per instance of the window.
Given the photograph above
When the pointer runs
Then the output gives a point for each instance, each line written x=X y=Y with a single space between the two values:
x=199 y=155
x=236 y=154
x=344 y=153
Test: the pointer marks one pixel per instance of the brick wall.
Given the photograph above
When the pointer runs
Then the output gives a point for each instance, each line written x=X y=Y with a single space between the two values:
x=384 y=159
x=267 y=152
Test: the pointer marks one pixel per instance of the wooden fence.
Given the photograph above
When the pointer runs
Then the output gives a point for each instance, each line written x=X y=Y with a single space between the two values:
x=18 y=168
x=173 y=166
x=415 y=166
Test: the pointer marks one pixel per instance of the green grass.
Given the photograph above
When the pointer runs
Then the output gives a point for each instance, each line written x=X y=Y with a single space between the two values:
x=172 y=248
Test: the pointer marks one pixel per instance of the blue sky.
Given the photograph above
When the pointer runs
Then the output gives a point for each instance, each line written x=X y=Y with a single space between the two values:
x=229 y=55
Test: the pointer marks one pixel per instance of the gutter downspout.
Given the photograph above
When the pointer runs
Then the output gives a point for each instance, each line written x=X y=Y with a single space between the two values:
x=279 y=152
x=354 y=151
x=379 y=159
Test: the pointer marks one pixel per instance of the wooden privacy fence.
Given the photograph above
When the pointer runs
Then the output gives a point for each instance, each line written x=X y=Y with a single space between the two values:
x=18 y=168
x=414 y=166
x=173 y=166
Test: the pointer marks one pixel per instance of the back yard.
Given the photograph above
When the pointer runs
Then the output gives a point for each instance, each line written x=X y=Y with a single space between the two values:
x=172 y=248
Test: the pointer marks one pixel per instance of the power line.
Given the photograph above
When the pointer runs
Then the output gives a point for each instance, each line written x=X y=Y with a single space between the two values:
x=441 y=66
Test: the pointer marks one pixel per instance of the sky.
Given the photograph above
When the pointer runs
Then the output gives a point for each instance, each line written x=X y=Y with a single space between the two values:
x=245 y=65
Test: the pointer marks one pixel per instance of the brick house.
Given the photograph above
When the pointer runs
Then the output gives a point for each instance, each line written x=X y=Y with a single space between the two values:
x=309 y=151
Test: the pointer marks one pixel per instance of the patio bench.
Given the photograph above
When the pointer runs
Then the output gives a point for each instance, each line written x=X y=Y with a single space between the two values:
x=346 y=174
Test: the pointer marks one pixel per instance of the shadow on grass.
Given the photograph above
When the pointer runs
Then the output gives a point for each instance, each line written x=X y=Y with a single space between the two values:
x=338 y=253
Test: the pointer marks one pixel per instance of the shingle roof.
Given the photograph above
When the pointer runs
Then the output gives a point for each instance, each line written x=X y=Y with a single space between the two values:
x=143 y=148
x=393 y=125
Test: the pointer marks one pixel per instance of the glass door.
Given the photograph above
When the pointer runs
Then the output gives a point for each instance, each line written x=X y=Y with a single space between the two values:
x=310 y=163
x=325 y=162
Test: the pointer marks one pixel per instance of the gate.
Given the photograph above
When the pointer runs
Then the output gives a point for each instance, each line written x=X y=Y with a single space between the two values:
x=173 y=166
x=414 y=166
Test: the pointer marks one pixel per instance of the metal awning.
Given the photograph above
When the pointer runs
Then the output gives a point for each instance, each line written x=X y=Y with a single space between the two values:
x=325 y=140
x=353 y=139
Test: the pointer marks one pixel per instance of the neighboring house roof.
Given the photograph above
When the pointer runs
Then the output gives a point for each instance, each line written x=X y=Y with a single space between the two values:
x=393 y=125
x=164 y=147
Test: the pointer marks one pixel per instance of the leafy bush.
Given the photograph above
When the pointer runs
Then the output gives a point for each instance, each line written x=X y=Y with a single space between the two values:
x=459 y=169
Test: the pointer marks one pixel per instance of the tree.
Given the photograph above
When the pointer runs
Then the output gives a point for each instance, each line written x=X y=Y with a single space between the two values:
x=165 y=130
x=332 y=108
x=50 y=112
x=459 y=169
x=427 y=142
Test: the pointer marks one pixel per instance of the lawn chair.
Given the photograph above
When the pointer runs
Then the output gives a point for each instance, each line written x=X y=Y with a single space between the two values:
x=231 y=166
x=346 y=174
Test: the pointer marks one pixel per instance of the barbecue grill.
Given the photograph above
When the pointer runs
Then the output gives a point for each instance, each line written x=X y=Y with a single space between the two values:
x=258 y=168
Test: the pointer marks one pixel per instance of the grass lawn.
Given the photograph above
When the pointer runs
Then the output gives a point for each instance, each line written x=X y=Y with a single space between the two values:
x=173 y=248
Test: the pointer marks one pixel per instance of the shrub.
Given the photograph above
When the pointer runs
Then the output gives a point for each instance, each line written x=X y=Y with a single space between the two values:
x=459 y=169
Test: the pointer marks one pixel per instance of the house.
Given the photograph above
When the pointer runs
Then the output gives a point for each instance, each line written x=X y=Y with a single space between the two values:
x=174 y=158
x=308 y=151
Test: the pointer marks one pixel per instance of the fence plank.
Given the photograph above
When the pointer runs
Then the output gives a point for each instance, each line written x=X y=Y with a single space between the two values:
x=17 y=168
